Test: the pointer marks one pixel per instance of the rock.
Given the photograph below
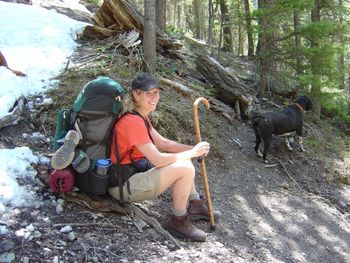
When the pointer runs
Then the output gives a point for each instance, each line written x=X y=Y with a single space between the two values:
x=62 y=243
x=7 y=257
x=66 y=229
x=7 y=245
x=59 y=209
x=3 y=230
x=36 y=234
x=342 y=204
x=30 y=228
x=71 y=236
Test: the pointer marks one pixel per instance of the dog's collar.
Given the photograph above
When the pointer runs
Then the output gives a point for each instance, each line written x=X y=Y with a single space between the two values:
x=300 y=108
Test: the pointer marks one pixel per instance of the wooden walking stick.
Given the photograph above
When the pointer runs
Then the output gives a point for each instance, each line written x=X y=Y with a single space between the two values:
x=204 y=171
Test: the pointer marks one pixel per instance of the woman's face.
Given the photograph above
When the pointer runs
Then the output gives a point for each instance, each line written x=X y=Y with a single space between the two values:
x=147 y=100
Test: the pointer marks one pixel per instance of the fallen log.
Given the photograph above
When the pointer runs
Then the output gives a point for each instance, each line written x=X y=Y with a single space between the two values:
x=15 y=115
x=180 y=88
x=223 y=109
x=228 y=87
x=216 y=105
x=97 y=32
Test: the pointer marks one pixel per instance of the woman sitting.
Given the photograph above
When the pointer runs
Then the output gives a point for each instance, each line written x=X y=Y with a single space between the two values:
x=138 y=141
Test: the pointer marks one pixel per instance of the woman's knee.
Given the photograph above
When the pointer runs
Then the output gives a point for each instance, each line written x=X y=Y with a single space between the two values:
x=178 y=170
x=184 y=167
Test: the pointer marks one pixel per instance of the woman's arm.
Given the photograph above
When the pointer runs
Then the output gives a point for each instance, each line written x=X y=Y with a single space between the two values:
x=167 y=145
x=3 y=62
x=159 y=159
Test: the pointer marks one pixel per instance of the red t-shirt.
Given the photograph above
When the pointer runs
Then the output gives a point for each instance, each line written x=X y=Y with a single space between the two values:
x=131 y=130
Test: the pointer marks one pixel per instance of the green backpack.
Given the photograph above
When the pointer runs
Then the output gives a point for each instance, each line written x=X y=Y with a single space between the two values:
x=94 y=113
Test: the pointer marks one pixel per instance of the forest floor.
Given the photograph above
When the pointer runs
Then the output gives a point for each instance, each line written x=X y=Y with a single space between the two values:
x=293 y=210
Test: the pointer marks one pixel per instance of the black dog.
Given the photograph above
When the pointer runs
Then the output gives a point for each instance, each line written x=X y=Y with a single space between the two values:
x=280 y=123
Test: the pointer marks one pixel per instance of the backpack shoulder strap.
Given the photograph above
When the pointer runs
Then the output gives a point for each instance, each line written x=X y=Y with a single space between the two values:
x=148 y=125
x=118 y=169
x=119 y=159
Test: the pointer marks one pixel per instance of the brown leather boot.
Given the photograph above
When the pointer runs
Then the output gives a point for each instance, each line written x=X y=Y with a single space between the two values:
x=198 y=209
x=181 y=226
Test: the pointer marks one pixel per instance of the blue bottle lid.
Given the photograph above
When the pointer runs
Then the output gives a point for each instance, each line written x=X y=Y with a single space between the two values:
x=103 y=162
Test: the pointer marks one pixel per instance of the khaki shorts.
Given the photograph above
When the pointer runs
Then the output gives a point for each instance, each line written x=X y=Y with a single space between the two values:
x=143 y=186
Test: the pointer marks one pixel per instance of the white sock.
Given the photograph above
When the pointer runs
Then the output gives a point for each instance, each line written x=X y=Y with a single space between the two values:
x=194 y=196
x=176 y=212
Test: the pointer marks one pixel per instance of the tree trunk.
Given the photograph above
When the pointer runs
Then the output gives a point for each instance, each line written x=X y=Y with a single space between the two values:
x=248 y=22
x=173 y=11
x=316 y=83
x=341 y=85
x=240 y=30
x=226 y=27
x=220 y=37
x=264 y=47
x=149 y=37
x=240 y=48
x=161 y=14
x=299 y=67
x=258 y=45
x=210 y=24
x=197 y=20
x=179 y=20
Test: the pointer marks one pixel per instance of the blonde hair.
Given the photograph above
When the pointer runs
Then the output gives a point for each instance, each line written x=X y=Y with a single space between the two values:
x=129 y=103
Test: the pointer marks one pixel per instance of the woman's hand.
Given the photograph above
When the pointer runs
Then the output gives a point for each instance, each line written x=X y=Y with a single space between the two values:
x=201 y=149
x=160 y=159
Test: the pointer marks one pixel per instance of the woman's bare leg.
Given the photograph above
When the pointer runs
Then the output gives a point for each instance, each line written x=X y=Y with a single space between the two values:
x=179 y=175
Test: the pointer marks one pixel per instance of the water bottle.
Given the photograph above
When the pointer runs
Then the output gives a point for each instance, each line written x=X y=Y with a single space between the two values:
x=102 y=166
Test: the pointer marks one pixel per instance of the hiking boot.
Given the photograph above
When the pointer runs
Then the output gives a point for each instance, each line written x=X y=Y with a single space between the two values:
x=65 y=154
x=181 y=226
x=198 y=209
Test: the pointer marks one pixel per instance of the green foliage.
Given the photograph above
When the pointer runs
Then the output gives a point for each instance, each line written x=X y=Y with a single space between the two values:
x=172 y=30
x=324 y=28
x=336 y=105
x=327 y=144
x=325 y=57
x=167 y=70
x=296 y=4
x=279 y=11
x=95 y=2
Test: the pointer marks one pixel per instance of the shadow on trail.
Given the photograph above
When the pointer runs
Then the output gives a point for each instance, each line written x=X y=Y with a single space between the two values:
x=267 y=217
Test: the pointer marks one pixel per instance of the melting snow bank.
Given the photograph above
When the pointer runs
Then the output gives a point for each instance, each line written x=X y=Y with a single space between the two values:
x=17 y=179
x=37 y=42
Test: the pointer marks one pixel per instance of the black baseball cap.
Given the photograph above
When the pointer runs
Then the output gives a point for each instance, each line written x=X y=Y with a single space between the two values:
x=145 y=82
